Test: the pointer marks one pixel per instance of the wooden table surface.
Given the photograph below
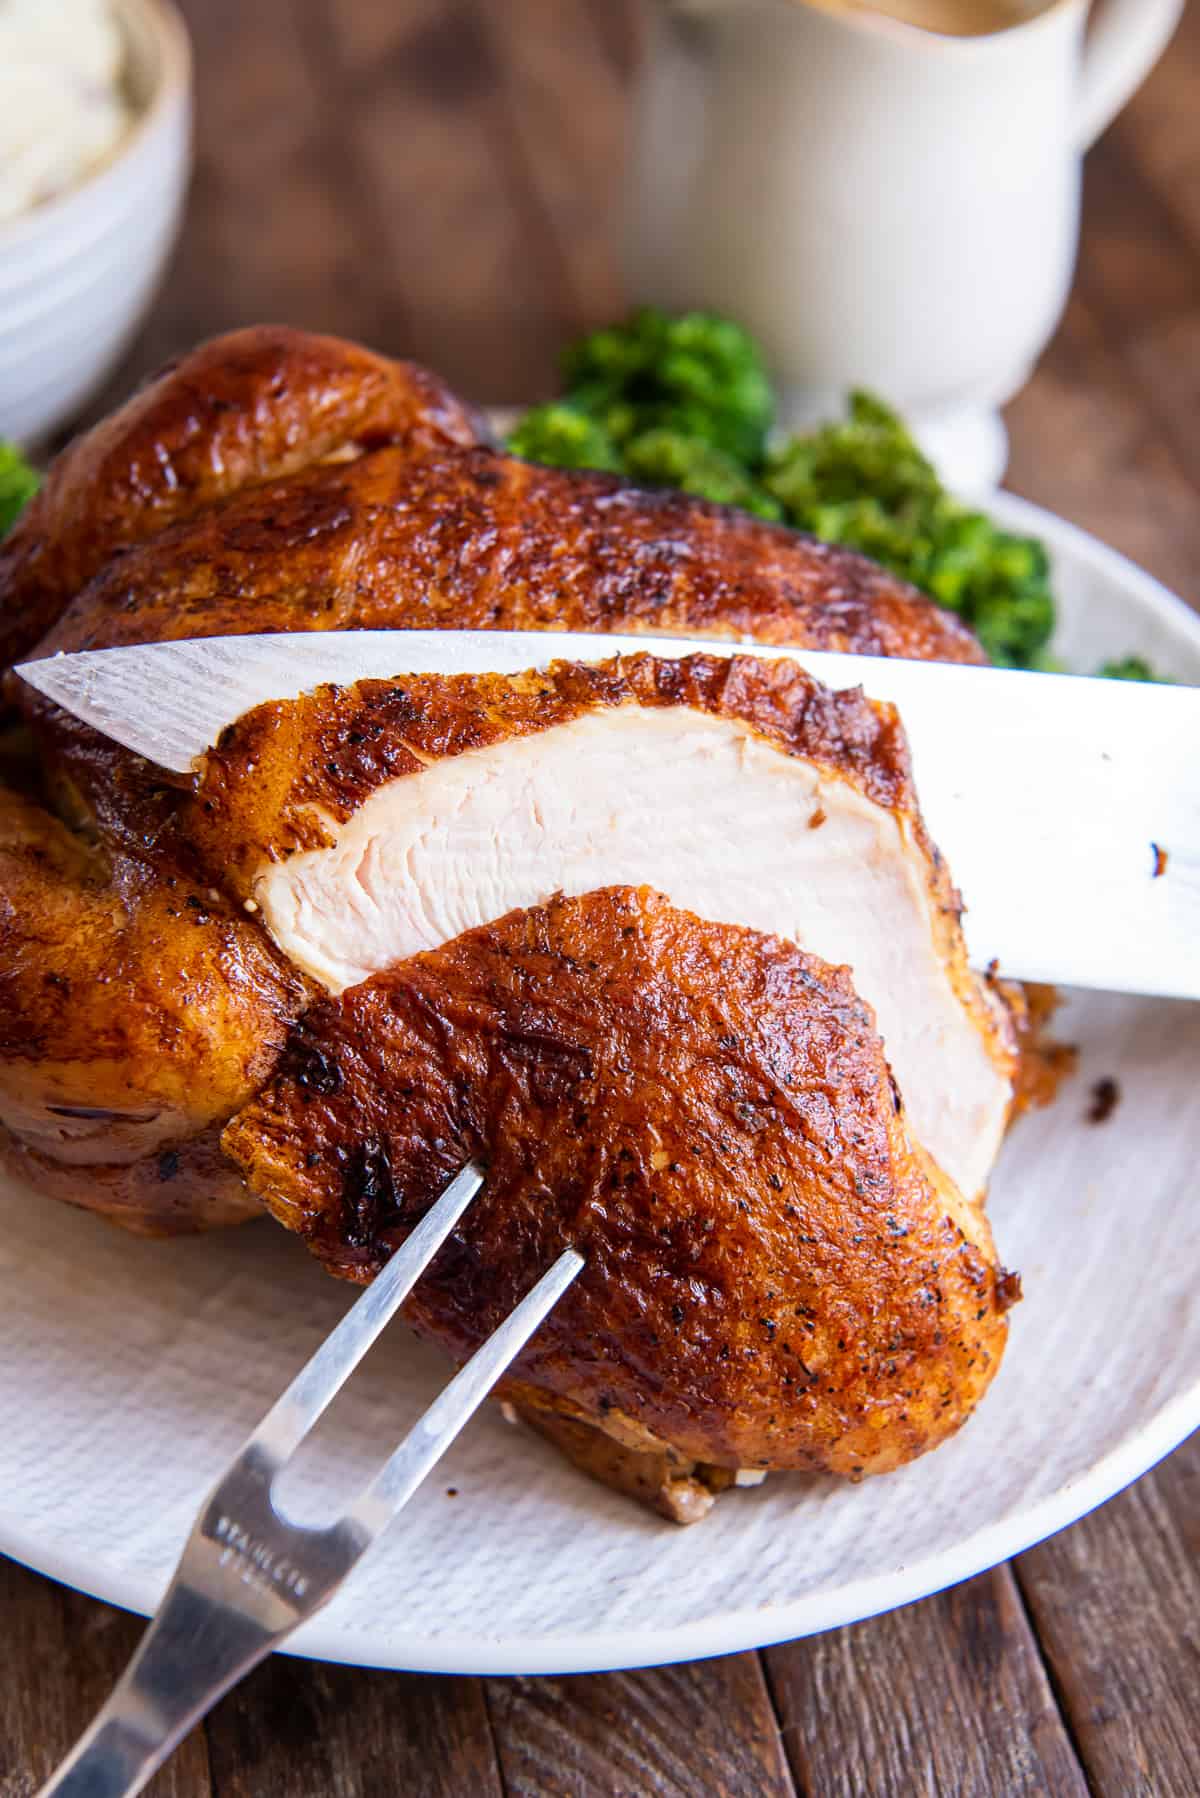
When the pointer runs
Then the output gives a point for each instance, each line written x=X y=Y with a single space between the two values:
x=435 y=177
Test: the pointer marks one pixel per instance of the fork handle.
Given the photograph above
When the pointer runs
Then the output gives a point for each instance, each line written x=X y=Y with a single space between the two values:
x=193 y=1651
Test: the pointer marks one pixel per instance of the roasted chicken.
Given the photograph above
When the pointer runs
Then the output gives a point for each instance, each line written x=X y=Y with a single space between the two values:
x=665 y=943
x=137 y=1011
x=367 y=824
x=777 y=1275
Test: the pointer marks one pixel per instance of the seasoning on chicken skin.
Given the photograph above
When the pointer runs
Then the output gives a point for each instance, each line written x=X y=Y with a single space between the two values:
x=366 y=824
x=276 y=481
x=777 y=1276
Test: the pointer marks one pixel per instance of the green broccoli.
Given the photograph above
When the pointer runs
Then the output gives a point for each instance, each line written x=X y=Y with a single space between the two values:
x=18 y=484
x=864 y=482
x=1131 y=668
x=562 y=436
x=697 y=374
x=663 y=458
x=686 y=403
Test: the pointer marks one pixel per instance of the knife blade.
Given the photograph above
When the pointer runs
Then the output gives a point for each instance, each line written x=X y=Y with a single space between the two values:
x=1068 y=809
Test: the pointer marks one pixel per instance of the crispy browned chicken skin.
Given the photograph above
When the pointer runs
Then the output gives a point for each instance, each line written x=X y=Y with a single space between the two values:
x=369 y=822
x=118 y=985
x=275 y=480
x=411 y=538
x=278 y=481
x=239 y=411
x=776 y=1276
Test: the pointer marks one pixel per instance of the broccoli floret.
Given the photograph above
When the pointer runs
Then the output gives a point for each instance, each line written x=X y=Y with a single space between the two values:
x=663 y=458
x=698 y=375
x=1131 y=668
x=563 y=437
x=685 y=402
x=865 y=483
x=18 y=484
x=868 y=455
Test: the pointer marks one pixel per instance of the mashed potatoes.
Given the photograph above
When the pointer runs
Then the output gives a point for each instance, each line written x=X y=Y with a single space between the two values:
x=62 y=107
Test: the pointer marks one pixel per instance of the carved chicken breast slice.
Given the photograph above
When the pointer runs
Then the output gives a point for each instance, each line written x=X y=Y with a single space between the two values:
x=777 y=1277
x=371 y=824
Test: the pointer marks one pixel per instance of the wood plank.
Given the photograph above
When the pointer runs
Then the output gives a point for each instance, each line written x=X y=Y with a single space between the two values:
x=1140 y=277
x=1165 y=360
x=295 y=1729
x=670 y=1732
x=947 y=1697
x=1116 y=1603
x=63 y=1654
x=619 y=25
x=1177 y=1481
x=1135 y=262
x=278 y=227
x=1159 y=129
x=566 y=104
x=461 y=236
x=1085 y=444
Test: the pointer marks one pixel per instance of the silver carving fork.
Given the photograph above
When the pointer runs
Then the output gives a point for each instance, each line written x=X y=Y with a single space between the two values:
x=247 y=1577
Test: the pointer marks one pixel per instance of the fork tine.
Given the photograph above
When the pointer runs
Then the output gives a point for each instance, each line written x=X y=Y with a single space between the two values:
x=297 y=1409
x=433 y=1432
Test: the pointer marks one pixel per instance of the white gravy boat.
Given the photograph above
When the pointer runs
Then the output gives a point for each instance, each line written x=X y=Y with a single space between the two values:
x=880 y=204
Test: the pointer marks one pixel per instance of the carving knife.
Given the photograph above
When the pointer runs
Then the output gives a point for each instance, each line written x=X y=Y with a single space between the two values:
x=1068 y=809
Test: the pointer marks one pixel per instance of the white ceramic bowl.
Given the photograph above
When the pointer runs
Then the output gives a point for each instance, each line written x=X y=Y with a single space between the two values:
x=78 y=272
